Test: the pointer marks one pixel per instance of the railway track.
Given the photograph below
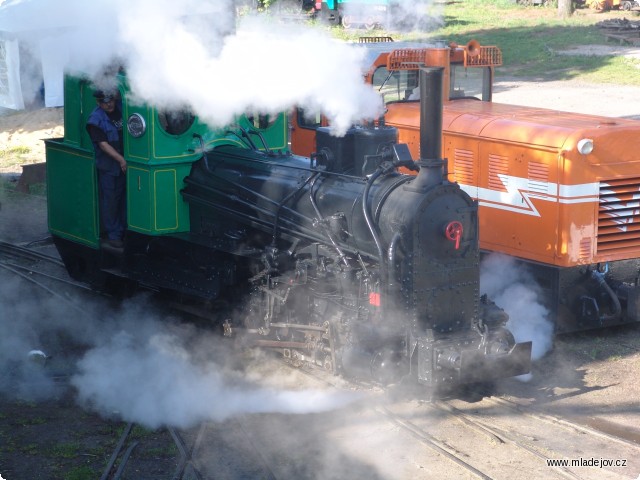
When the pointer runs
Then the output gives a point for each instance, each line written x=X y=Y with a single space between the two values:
x=444 y=439
x=240 y=458
x=586 y=425
x=461 y=434
x=37 y=268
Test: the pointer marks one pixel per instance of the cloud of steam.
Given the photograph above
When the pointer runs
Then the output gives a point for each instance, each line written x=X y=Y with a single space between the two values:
x=140 y=366
x=401 y=15
x=416 y=15
x=25 y=319
x=256 y=68
x=158 y=378
x=513 y=288
x=179 y=54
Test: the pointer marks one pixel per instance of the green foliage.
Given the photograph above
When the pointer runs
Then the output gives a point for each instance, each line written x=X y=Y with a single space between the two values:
x=170 y=450
x=81 y=473
x=19 y=150
x=534 y=40
x=13 y=156
x=66 y=450
x=29 y=449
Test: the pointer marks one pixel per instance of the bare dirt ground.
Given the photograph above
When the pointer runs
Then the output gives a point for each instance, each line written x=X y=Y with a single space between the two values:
x=21 y=135
x=581 y=401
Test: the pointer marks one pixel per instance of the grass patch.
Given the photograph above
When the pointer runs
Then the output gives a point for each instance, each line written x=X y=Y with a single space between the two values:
x=81 y=473
x=140 y=432
x=530 y=39
x=33 y=421
x=65 y=450
x=14 y=156
x=161 y=452
x=29 y=449
x=19 y=150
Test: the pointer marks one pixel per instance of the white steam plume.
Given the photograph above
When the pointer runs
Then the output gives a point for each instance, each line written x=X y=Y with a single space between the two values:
x=416 y=15
x=178 y=54
x=138 y=365
x=513 y=288
x=160 y=379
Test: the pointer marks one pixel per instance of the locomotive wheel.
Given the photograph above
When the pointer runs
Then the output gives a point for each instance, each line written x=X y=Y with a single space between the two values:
x=387 y=366
x=347 y=21
x=626 y=6
x=370 y=24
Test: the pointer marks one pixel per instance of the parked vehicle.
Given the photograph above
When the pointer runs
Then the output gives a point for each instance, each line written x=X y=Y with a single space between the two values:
x=350 y=13
x=628 y=5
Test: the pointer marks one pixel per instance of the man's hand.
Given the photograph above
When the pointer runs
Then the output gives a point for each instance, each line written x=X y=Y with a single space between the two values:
x=113 y=153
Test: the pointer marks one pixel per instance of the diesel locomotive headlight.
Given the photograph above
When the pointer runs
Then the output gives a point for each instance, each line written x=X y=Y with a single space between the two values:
x=136 y=125
x=585 y=146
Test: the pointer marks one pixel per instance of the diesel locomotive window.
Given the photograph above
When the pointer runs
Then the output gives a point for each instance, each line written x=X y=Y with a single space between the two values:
x=396 y=86
x=466 y=82
x=176 y=122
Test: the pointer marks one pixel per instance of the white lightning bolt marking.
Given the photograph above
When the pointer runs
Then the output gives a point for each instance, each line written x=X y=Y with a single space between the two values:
x=518 y=197
x=622 y=220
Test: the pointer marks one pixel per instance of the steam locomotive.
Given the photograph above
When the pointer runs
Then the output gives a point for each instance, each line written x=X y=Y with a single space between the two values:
x=336 y=259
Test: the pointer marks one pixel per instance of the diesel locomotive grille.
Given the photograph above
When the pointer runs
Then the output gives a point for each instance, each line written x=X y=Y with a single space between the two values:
x=619 y=216
x=464 y=166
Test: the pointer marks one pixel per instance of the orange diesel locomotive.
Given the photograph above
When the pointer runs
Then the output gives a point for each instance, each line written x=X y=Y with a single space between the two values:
x=559 y=191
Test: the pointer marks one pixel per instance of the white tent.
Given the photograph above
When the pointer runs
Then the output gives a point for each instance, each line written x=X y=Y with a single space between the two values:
x=10 y=91
x=29 y=57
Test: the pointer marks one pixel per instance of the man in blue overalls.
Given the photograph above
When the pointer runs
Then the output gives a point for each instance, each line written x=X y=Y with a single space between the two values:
x=105 y=129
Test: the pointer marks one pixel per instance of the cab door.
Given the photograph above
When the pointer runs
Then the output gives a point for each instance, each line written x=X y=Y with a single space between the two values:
x=303 y=132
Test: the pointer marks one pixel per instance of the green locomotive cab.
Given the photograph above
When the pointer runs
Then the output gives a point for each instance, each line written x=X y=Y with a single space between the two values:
x=160 y=147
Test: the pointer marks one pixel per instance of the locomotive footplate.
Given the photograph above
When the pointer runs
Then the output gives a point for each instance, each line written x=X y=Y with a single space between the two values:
x=467 y=361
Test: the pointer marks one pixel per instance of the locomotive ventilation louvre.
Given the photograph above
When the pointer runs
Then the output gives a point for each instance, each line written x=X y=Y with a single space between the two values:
x=407 y=58
x=464 y=171
x=487 y=57
x=619 y=215
x=413 y=58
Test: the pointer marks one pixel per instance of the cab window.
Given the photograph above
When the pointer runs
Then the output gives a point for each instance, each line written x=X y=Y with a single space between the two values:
x=309 y=120
x=396 y=86
x=176 y=122
x=466 y=82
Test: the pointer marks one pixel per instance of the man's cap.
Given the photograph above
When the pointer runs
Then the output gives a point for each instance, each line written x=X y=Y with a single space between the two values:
x=103 y=96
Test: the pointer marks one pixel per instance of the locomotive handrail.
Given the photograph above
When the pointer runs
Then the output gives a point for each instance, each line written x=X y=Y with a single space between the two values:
x=233 y=132
x=311 y=234
x=372 y=228
x=284 y=201
x=300 y=230
x=322 y=222
x=396 y=242
x=261 y=137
